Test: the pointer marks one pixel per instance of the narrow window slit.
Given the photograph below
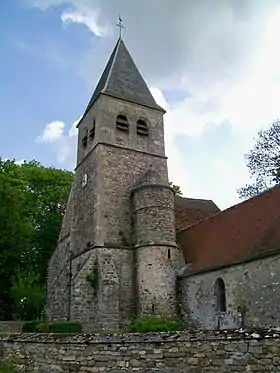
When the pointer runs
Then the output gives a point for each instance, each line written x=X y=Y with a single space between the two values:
x=220 y=291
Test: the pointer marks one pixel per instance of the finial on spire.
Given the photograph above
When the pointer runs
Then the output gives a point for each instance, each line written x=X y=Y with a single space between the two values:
x=119 y=24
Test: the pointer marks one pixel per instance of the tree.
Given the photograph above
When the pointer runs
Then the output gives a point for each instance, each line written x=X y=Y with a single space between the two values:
x=28 y=295
x=176 y=188
x=33 y=200
x=263 y=161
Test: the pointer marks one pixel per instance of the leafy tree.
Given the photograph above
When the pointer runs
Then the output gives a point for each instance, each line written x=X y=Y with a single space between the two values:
x=263 y=161
x=28 y=295
x=33 y=200
x=176 y=188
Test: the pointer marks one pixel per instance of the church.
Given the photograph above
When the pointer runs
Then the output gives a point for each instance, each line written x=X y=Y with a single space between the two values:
x=128 y=246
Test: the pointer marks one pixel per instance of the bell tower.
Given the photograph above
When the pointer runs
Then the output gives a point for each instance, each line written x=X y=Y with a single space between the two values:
x=118 y=235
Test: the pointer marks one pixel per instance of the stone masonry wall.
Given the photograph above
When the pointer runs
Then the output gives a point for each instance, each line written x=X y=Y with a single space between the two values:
x=254 y=284
x=192 y=352
x=157 y=252
x=113 y=161
x=10 y=326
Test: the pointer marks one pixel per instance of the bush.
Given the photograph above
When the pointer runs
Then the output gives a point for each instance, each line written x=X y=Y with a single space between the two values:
x=149 y=324
x=5 y=368
x=30 y=326
x=60 y=327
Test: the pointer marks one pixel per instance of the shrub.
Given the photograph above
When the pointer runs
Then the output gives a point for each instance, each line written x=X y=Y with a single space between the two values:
x=149 y=324
x=60 y=327
x=93 y=278
x=6 y=368
x=30 y=326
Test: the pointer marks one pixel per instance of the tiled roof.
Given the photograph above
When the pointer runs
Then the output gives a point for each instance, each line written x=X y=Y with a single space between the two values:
x=190 y=210
x=242 y=232
x=122 y=79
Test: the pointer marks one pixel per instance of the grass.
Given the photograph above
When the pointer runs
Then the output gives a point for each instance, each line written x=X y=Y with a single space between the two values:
x=149 y=324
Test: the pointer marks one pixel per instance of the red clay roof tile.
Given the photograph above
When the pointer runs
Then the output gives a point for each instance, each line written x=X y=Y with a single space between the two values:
x=190 y=210
x=239 y=233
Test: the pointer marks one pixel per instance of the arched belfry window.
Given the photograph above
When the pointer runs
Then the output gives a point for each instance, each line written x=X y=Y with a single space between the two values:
x=85 y=138
x=142 y=128
x=91 y=133
x=122 y=123
x=220 y=292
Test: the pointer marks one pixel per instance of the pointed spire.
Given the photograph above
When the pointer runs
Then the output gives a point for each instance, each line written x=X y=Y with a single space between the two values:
x=122 y=79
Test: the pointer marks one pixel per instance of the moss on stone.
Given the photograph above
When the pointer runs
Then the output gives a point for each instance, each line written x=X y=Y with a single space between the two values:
x=93 y=278
x=7 y=368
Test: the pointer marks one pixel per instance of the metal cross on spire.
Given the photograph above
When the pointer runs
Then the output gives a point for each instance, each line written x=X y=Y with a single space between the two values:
x=119 y=24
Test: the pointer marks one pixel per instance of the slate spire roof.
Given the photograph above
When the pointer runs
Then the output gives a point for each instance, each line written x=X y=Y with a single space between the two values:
x=122 y=79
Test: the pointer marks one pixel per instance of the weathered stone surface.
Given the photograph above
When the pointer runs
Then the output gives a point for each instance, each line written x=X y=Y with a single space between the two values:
x=194 y=351
x=254 y=284
x=121 y=220
x=10 y=326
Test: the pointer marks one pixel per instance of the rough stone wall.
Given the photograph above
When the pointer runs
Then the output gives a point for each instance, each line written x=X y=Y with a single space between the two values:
x=58 y=282
x=156 y=250
x=10 y=326
x=100 y=223
x=195 y=352
x=57 y=306
x=109 y=109
x=83 y=299
x=254 y=285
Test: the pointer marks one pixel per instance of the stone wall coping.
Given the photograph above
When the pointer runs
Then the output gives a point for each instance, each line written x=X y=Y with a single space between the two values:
x=185 y=336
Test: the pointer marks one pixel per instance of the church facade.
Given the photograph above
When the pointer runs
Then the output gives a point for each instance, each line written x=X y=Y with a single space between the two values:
x=127 y=245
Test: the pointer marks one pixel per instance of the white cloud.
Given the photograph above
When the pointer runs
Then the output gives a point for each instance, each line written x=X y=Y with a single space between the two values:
x=52 y=132
x=222 y=54
x=62 y=140
x=19 y=162
x=87 y=17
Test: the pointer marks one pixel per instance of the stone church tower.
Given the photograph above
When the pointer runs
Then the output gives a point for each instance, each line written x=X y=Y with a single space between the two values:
x=117 y=253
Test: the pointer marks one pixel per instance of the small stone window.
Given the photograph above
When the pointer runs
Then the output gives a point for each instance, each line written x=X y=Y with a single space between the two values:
x=220 y=291
x=142 y=128
x=122 y=123
x=85 y=139
x=169 y=254
x=91 y=133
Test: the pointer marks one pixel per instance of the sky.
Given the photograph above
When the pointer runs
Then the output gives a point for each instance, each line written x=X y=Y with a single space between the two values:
x=213 y=65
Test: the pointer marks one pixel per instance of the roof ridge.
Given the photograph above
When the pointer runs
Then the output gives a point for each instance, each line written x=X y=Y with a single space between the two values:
x=195 y=199
x=112 y=64
x=237 y=205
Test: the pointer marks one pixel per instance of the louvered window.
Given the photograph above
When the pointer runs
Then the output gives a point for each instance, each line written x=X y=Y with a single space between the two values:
x=84 y=139
x=91 y=133
x=122 y=123
x=142 y=128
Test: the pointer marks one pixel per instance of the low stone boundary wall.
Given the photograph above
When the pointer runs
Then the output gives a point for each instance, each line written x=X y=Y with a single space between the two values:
x=192 y=352
x=10 y=326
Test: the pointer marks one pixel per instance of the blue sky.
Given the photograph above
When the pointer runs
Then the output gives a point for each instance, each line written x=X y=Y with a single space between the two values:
x=214 y=67
x=39 y=77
